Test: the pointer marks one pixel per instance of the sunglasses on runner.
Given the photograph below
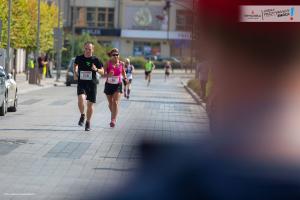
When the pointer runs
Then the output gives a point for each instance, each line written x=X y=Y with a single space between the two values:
x=115 y=55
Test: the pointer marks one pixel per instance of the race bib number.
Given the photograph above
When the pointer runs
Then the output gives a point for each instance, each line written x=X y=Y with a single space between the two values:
x=86 y=75
x=113 y=80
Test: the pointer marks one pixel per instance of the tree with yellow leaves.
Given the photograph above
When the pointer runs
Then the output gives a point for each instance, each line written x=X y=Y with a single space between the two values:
x=24 y=24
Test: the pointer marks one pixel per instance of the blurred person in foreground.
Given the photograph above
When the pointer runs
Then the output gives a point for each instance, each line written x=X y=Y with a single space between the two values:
x=254 y=149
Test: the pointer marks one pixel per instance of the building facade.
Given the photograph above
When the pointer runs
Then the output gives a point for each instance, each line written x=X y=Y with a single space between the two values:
x=136 y=27
x=150 y=27
x=99 y=18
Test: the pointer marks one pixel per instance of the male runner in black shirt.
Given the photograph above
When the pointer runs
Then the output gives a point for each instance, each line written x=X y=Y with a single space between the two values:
x=85 y=68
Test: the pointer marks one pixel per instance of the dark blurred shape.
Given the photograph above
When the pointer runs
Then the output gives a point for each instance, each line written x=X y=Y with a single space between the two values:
x=266 y=42
x=250 y=62
x=254 y=110
x=206 y=172
x=167 y=6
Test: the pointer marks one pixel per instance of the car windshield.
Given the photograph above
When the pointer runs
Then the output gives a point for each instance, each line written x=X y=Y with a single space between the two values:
x=175 y=59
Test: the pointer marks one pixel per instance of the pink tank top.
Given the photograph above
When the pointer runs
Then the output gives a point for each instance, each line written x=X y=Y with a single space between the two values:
x=117 y=69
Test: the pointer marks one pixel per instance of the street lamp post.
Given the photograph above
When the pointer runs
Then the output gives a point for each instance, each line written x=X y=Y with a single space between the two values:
x=59 y=38
x=192 y=38
x=167 y=8
x=8 y=38
x=36 y=69
x=74 y=13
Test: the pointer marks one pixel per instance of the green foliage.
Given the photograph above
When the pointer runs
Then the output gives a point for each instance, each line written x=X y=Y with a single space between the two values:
x=194 y=84
x=21 y=25
x=32 y=10
x=3 y=17
x=210 y=84
x=49 y=15
x=99 y=50
x=138 y=62
x=24 y=24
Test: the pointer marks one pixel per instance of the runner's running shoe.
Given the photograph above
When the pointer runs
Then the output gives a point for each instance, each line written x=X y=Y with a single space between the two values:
x=112 y=123
x=87 y=126
x=81 y=120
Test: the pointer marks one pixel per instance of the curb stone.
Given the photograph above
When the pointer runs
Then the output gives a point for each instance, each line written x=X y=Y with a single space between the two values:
x=40 y=88
x=194 y=95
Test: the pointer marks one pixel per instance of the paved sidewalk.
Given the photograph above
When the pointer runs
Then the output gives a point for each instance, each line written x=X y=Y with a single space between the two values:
x=25 y=87
x=46 y=156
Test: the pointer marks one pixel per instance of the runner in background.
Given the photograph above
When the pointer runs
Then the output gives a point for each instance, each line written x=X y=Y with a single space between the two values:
x=168 y=67
x=129 y=70
x=149 y=67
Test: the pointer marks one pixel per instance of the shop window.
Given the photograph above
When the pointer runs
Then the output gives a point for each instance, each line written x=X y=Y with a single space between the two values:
x=146 y=48
x=91 y=17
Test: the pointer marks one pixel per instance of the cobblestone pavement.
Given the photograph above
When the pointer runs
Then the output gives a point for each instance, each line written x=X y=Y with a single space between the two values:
x=45 y=155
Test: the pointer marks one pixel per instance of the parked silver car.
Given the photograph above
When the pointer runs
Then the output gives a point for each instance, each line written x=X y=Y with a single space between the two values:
x=8 y=93
x=70 y=74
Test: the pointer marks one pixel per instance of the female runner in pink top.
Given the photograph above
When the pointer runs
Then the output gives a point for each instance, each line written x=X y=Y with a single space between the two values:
x=114 y=69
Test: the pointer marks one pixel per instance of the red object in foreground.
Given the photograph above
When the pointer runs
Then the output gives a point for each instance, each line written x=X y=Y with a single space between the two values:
x=159 y=17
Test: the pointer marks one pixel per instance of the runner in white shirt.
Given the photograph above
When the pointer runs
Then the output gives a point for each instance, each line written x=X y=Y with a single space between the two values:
x=129 y=69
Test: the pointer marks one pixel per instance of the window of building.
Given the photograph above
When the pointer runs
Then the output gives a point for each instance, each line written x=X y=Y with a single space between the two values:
x=100 y=17
x=75 y=12
x=183 y=20
x=91 y=17
x=146 y=48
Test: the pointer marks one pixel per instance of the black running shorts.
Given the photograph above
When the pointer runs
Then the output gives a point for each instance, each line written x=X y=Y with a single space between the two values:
x=110 y=89
x=89 y=89
x=147 y=73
